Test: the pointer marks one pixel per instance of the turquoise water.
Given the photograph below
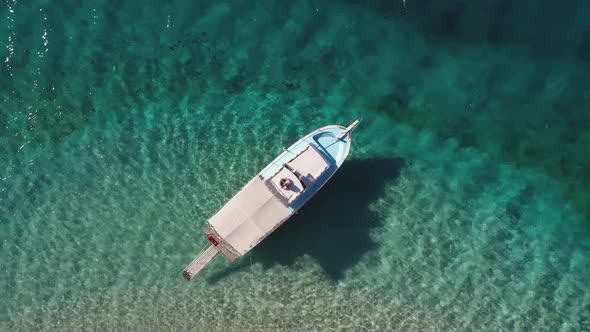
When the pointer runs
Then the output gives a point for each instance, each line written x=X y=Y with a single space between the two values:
x=465 y=204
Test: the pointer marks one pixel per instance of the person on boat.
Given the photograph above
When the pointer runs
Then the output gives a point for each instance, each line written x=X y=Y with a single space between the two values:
x=285 y=183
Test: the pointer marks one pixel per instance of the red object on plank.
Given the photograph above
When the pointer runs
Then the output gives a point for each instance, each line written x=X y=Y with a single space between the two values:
x=212 y=240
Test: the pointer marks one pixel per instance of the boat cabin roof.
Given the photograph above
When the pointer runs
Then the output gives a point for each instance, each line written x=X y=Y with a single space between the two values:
x=263 y=204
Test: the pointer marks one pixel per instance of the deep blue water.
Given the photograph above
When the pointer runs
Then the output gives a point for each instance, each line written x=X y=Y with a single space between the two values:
x=465 y=204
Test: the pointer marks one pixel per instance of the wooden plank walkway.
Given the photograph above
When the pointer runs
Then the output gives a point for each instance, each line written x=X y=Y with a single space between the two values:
x=199 y=262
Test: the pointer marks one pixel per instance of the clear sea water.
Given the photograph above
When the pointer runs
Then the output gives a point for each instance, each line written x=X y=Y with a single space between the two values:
x=464 y=205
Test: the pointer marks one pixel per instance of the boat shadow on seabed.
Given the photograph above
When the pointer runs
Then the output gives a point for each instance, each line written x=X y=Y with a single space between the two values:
x=333 y=227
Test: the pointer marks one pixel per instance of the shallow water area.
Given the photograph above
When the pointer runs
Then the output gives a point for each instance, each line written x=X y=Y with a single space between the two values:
x=125 y=125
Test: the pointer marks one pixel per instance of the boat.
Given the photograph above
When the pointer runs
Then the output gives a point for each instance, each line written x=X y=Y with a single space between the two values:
x=274 y=195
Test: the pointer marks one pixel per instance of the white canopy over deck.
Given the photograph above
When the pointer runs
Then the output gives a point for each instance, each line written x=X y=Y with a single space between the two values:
x=248 y=216
x=262 y=205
